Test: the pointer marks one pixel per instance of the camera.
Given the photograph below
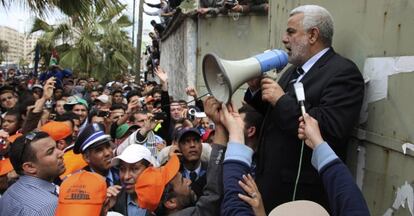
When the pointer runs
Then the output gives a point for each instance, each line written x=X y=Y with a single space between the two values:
x=191 y=113
x=104 y=114
x=160 y=116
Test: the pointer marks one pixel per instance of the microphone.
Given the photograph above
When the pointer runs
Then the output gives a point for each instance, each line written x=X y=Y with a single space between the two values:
x=300 y=96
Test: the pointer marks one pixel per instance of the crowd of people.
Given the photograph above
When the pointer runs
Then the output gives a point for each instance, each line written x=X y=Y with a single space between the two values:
x=165 y=10
x=71 y=145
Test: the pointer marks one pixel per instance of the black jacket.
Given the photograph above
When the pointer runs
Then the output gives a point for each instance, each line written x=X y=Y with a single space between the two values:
x=334 y=89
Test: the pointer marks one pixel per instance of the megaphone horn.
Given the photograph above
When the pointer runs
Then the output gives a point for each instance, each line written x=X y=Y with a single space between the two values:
x=224 y=77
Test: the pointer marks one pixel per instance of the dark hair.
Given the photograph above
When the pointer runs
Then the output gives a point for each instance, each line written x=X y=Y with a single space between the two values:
x=17 y=113
x=143 y=112
x=132 y=94
x=67 y=116
x=21 y=150
x=156 y=90
x=253 y=118
x=116 y=91
x=118 y=106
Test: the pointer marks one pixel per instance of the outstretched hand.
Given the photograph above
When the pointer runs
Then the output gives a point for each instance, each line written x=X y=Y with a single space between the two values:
x=254 y=198
x=232 y=121
x=212 y=109
x=161 y=74
x=309 y=131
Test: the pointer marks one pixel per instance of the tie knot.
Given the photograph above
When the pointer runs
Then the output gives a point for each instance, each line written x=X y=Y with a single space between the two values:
x=300 y=71
x=193 y=176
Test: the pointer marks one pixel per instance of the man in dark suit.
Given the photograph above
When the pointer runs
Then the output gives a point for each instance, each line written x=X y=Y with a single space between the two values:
x=334 y=90
x=192 y=167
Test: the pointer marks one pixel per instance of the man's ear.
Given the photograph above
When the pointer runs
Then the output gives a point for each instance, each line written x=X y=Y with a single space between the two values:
x=251 y=132
x=86 y=157
x=29 y=167
x=314 y=35
x=171 y=204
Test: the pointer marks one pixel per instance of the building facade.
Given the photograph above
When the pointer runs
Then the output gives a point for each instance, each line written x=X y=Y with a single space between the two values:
x=20 y=45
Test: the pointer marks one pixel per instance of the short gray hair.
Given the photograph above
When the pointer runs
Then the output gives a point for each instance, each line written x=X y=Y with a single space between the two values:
x=319 y=17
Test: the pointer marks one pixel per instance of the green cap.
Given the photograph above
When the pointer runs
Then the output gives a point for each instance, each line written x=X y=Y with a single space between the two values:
x=73 y=100
x=121 y=130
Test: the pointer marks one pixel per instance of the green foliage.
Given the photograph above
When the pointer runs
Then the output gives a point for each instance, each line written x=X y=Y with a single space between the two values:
x=95 y=44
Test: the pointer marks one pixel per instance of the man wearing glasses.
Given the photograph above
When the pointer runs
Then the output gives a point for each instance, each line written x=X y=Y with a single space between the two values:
x=39 y=162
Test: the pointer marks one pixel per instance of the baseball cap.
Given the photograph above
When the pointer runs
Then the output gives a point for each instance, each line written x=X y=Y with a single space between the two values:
x=121 y=130
x=73 y=162
x=5 y=166
x=73 y=100
x=298 y=208
x=134 y=153
x=93 y=135
x=184 y=131
x=151 y=183
x=37 y=86
x=57 y=130
x=103 y=98
x=82 y=193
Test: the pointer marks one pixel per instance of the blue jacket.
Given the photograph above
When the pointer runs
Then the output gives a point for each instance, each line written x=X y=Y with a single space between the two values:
x=345 y=198
x=236 y=163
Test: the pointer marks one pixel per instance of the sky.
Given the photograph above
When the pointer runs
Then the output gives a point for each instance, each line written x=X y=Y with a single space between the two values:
x=21 y=19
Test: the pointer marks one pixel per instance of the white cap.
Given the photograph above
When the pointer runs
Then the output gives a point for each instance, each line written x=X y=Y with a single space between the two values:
x=103 y=98
x=134 y=153
x=298 y=208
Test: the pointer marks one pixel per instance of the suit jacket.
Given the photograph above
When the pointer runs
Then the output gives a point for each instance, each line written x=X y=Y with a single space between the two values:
x=334 y=90
x=198 y=185
x=209 y=203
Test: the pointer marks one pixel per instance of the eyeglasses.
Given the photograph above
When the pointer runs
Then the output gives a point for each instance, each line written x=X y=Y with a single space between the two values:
x=27 y=140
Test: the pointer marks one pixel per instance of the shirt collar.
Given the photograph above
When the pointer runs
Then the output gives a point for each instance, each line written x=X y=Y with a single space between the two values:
x=38 y=183
x=308 y=65
x=197 y=170
x=131 y=201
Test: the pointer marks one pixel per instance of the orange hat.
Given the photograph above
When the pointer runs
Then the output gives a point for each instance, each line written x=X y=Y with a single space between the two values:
x=14 y=137
x=57 y=130
x=151 y=183
x=5 y=166
x=82 y=193
x=73 y=162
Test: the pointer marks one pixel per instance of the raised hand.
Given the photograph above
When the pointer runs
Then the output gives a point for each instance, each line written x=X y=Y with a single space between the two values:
x=212 y=109
x=191 y=91
x=48 y=88
x=254 y=198
x=161 y=74
x=309 y=131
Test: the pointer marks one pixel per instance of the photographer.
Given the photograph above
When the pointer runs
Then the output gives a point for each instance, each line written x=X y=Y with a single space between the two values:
x=35 y=112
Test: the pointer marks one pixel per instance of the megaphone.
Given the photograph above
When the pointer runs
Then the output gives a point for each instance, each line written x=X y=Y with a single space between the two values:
x=224 y=77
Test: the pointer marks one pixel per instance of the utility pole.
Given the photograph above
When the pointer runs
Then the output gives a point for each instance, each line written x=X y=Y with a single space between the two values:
x=139 y=42
x=133 y=23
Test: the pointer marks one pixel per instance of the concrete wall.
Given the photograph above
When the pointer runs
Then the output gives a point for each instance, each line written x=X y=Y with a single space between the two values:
x=231 y=39
x=178 y=58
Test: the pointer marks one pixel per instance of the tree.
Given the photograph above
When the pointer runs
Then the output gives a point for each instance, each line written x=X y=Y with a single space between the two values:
x=4 y=48
x=69 y=7
x=95 y=45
